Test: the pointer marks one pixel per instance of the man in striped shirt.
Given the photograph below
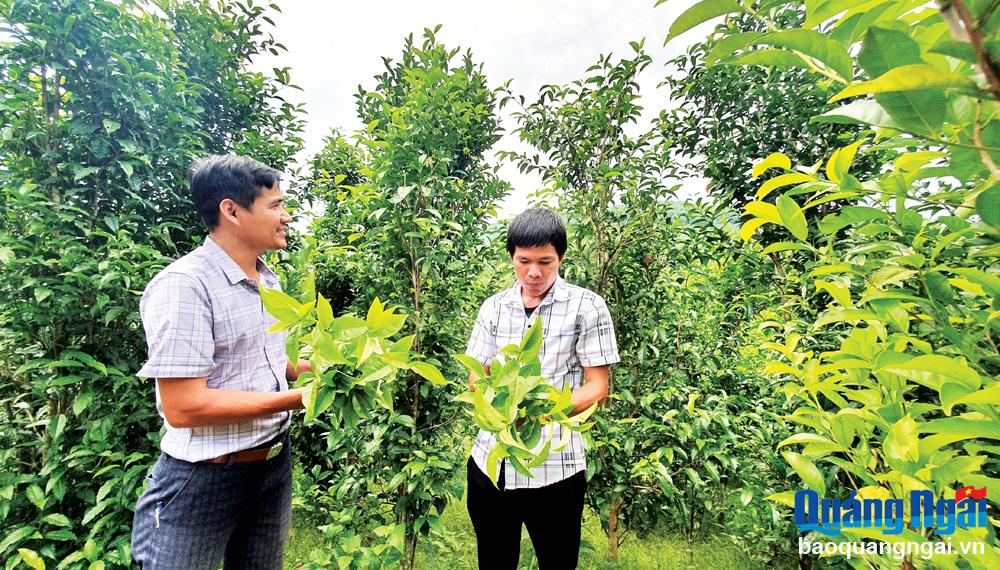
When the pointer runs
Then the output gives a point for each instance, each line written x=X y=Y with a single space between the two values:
x=221 y=489
x=577 y=348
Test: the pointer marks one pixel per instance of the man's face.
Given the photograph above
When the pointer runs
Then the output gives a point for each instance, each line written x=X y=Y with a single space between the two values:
x=263 y=226
x=536 y=268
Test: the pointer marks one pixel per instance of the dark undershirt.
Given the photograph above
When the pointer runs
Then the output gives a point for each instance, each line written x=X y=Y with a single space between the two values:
x=527 y=311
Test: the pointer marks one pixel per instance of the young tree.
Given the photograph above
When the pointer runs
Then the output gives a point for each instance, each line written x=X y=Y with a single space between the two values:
x=727 y=116
x=415 y=216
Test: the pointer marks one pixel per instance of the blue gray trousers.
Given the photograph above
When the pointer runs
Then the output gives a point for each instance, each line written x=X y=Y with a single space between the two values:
x=194 y=516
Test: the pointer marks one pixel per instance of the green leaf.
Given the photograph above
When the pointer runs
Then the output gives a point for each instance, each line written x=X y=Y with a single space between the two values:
x=773 y=160
x=988 y=395
x=281 y=305
x=80 y=172
x=884 y=49
x=918 y=111
x=292 y=348
x=815 y=45
x=764 y=211
x=840 y=294
x=16 y=536
x=785 y=246
x=804 y=438
x=57 y=520
x=769 y=57
x=728 y=44
x=532 y=341
x=938 y=287
x=36 y=496
x=861 y=112
x=934 y=370
x=700 y=13
x=42 y=293
x=988 y=281
x=902 y=443
x=792 y=217
x=31 y=558
x=823 y=10
x=111 y=126
x=321 y=400
x=988 y=205
x=841 y=315
x=960 y=428
x=324 y=312
x=786 y=498
x=487 y=413
x=429 y=372
x=807 y=471
x=472 y=364
x=493 y=461
x=750 y=226
x=840 y=162
x=781 y=181
x=909 y=78
x=383 y=321
x=403 y=345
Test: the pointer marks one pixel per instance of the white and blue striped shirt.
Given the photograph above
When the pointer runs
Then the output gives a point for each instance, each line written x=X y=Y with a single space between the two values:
x=204 y=317
x=577 y=333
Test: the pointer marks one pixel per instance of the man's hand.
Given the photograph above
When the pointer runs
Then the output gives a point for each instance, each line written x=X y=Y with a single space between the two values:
x=292 y=372
x=594 y=389
x=473 y=377
x=189 y=402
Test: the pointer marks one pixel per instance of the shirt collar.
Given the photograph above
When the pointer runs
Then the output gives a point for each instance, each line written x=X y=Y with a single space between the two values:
x=232 y=270
x=558 y=292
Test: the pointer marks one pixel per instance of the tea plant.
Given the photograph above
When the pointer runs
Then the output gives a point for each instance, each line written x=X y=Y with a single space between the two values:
x=353 y=363
x=515 y=403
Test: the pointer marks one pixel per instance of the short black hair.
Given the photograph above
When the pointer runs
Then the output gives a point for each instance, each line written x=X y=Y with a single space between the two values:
x=217 y=177
x=536 y=227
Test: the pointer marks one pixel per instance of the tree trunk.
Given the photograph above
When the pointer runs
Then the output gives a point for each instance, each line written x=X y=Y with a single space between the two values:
x=613 y=529
x=410 y=555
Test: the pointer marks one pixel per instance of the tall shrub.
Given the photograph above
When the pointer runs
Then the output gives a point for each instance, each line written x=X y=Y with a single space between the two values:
x=104 y=106
x=885 y=341
x=413 y=217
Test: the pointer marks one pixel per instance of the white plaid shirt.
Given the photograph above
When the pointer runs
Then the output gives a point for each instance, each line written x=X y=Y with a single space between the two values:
x=204 y=318
x=578 y=333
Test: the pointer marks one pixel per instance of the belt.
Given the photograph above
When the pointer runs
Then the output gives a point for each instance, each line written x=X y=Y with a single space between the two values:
x=269 y=450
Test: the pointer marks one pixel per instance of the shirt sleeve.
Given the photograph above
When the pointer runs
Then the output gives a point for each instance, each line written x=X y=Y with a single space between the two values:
x=597 y=345
x=482 y=341
x=177 y=317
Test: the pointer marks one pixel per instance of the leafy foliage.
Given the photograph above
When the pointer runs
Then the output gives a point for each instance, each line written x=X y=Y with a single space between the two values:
x=353 y=364
x=728 y=116
x=407 y=207
x=885 y=337
x=515 y=403
x=104 y=106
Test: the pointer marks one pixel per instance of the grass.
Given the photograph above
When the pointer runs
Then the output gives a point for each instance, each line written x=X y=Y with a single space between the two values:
x=457 y=550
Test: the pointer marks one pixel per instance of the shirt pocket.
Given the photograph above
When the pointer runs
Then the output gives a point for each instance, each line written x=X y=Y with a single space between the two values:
x=559 y=347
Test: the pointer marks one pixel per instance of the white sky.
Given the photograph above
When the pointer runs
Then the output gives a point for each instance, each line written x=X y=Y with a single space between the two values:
x=335 y=46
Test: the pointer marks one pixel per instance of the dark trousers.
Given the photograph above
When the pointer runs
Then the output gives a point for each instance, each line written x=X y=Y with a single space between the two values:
x=552 y=514
x=194 y=516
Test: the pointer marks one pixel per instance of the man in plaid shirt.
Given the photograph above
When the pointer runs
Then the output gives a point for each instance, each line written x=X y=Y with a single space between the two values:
x=221 y=489
x=577 y=349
